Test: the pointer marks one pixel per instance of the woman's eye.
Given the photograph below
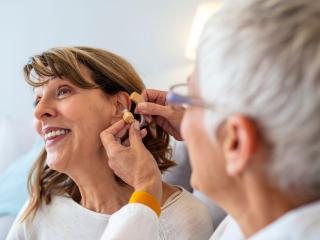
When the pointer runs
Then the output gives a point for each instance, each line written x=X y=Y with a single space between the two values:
x=35 y=103
x=61 y=92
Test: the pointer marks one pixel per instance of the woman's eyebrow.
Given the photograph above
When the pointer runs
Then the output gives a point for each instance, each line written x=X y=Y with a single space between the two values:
x=54 y=82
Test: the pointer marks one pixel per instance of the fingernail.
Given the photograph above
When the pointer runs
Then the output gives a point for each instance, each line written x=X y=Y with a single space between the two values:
x=136 y=125
x=136 y=110
x=148 y=118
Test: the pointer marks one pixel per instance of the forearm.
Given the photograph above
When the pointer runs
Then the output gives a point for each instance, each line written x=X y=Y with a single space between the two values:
x=133 y=221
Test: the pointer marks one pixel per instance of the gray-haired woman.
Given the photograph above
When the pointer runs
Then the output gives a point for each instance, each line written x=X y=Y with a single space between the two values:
x=252 y=125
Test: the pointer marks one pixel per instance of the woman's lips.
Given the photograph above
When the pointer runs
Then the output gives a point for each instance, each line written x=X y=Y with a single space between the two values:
x=54 y=137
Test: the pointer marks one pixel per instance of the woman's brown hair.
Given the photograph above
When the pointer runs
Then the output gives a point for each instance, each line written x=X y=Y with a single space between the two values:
x=110 y=73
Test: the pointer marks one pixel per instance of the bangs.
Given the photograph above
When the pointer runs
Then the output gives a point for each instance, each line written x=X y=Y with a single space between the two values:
x=49 y=65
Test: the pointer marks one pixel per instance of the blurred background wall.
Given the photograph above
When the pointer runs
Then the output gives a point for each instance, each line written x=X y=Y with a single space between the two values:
x=151 y=34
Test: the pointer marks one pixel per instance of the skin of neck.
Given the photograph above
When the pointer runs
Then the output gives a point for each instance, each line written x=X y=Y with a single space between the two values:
x=99 y=189
x=254 y=203
x=100 y=192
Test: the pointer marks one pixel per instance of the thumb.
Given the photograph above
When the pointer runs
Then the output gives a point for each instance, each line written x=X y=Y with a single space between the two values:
x=135 y=135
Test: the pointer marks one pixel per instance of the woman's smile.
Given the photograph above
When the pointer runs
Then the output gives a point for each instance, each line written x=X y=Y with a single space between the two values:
x=54 y=135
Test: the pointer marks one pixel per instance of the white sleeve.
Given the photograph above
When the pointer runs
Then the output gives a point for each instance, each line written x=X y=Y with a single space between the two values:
x=134 y=221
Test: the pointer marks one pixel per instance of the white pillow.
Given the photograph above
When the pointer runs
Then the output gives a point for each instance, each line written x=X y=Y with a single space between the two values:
x=16 y=137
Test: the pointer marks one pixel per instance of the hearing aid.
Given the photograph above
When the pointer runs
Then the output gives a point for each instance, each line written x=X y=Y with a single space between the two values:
x=137 y=98
x=128 y=116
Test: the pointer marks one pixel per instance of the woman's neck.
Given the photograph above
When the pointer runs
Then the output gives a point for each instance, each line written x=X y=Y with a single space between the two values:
x=255 y=205
x=99 y=189
x=103 y=199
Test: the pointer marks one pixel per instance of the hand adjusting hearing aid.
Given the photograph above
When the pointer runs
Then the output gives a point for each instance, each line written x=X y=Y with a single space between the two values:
x=129 y=118
x=137 y=98
x=127 y=115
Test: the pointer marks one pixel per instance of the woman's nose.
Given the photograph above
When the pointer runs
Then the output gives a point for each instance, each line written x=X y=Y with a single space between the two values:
x=44 y=109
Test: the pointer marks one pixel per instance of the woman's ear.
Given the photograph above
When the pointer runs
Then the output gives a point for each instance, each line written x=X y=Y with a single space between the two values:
x=121 y=102
x=239 y=144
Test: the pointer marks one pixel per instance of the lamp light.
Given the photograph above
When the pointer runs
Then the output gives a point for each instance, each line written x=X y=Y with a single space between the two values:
x=203 y=13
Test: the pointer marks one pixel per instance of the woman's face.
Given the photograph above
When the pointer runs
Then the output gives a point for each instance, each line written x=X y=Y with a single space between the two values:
x=69 y=119
x=207 y=161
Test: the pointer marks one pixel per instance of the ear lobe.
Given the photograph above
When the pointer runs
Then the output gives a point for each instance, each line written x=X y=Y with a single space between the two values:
x=239 y=144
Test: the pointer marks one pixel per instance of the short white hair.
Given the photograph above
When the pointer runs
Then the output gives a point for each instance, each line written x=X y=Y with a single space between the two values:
x=262 y=58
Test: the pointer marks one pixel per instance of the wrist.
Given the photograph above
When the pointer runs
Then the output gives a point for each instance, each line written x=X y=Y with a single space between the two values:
x=153 y=186
x=146 y=199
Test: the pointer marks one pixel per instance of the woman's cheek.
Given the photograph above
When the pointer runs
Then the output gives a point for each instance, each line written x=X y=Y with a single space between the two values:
x=37 y=126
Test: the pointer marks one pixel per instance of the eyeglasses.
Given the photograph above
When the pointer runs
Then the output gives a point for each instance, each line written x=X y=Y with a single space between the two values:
x=178 y=95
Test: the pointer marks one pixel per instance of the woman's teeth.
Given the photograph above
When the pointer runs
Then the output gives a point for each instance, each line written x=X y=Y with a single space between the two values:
x=55 y=133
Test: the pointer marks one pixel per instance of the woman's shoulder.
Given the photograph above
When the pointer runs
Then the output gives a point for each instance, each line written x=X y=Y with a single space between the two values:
x=183 y=200
x=20 y=226
x=66 y=207
x=47 y=220
x=25 y=226
x=186 y=217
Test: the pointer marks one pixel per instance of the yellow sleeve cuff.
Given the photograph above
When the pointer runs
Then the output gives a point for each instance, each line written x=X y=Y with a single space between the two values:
x=146 y=199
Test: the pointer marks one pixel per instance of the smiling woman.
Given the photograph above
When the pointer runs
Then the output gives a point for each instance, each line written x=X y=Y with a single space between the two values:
x=78 y=93
x=68 y=116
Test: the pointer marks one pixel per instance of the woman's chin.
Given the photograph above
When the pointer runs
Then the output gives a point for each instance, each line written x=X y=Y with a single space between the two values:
x=56 y=164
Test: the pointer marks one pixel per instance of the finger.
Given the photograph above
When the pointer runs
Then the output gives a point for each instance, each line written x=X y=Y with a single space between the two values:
x=156 y=96
x=110 y=143
x=135 y=134
x=168 y=128
x=115 y=128
x=148 y=118
x=148 y=108
x=143 y=133
x=123 y=131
